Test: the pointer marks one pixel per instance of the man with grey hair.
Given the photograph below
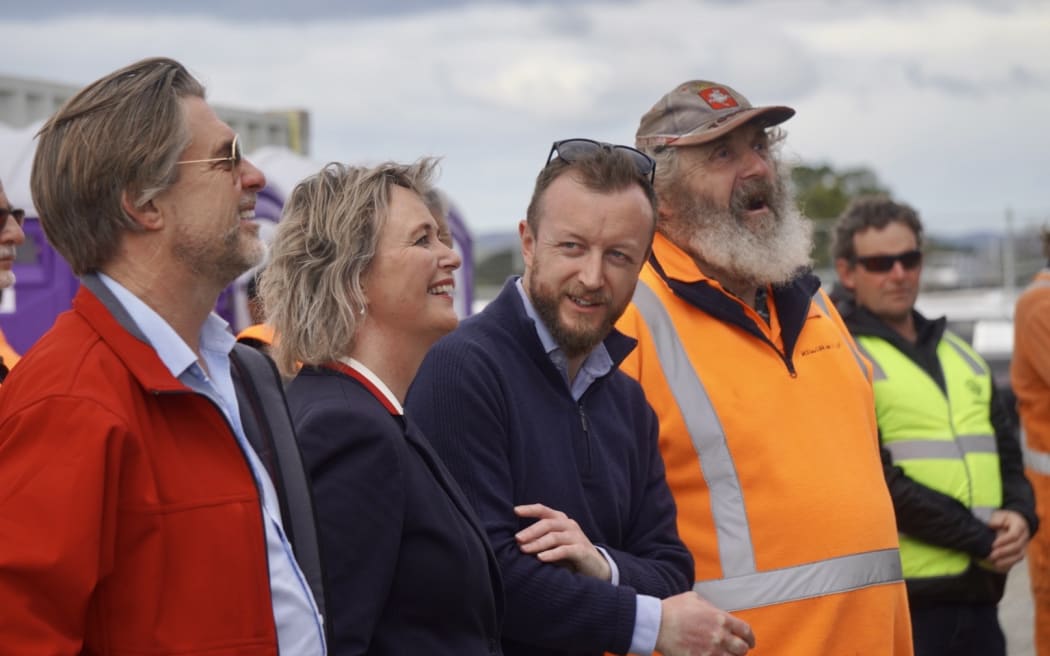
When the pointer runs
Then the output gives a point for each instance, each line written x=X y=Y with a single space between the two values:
x=765 y=408
x=134 y=514
x=11 y=236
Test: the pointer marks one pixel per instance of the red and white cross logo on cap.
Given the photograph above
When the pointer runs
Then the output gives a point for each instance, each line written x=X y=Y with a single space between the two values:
x=717 y=98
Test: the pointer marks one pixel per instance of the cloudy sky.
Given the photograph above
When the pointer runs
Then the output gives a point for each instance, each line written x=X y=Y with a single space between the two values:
x=946 y=101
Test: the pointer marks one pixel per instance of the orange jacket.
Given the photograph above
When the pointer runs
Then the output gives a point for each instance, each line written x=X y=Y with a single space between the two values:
x=782 y=500
x=256 y=334
x=7 y=354
x=129 y=517
x=1030 y=367
x=1030 y=378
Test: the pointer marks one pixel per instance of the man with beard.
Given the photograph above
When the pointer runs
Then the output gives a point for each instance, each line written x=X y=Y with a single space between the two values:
x=965 y=510
x=11 y=236
x=134 y=515
x=767 y=424
x=556 y=448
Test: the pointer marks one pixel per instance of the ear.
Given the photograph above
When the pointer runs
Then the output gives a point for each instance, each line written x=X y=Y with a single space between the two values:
x=528 y=243
x=846 y=272
x=147 y=215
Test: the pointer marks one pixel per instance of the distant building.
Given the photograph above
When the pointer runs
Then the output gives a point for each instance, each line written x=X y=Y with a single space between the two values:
x=24 y=101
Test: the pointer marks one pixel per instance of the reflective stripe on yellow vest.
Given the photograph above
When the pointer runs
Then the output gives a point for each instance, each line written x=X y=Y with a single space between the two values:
x=742 y=586
x=945 y=442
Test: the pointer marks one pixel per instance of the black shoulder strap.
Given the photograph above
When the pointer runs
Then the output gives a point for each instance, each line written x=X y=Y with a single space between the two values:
x=267 y=425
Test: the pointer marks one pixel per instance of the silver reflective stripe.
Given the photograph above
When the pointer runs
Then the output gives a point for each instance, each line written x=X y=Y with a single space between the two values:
x=906 y=449
x=1038 y=461
x=983 y=513
x=1041 y=282
x=735 y=551
x=964 y=354
x=824 y=577
x=877 y=371
x=743 y=586
x=819 y=298
x=977 y=443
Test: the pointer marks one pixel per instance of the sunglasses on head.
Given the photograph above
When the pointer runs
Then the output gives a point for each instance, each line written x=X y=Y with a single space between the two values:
x=20 y=216
x=883 y=263
x=570 y=150
x=234 y=158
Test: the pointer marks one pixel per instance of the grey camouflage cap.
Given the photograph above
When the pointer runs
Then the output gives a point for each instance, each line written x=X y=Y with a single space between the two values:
x=699 y=111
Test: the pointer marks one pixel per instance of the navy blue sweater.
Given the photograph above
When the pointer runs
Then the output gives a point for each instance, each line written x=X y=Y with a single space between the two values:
x=501 y=416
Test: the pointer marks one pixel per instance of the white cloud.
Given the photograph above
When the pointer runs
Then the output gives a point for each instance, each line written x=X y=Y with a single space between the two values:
x=944 y=101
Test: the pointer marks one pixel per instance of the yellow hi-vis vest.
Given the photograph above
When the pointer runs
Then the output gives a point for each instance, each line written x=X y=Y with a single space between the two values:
x=943 y=441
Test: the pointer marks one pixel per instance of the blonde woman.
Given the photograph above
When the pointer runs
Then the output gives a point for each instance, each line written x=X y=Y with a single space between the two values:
x=358 y=289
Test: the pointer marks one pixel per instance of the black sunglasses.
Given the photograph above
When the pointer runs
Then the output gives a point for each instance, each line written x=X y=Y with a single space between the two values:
x=570 y=150
x=883 y=263
x=20 y=216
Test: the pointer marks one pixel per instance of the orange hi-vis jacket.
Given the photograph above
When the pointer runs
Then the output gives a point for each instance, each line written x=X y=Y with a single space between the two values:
x=770 y=443
x=1030 y=379
x=258 y=333
x=8 y=355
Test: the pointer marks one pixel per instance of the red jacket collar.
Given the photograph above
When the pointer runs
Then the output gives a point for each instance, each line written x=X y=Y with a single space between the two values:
x=135 y=353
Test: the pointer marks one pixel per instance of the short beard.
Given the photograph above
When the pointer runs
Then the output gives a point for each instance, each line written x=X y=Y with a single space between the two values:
x=574 y=342
x=774 y=250
x=219 y=260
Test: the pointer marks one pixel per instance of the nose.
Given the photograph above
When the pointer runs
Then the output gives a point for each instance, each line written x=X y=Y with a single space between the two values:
x=449 y=259
x=591 y=270
x=251 y=177
x=11 y=232
x=756 y=165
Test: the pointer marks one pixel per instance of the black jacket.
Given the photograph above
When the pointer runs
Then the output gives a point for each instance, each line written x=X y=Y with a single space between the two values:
x=934 y=517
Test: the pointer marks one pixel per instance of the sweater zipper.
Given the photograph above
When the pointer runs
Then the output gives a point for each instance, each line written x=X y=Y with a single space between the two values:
x=585 y=424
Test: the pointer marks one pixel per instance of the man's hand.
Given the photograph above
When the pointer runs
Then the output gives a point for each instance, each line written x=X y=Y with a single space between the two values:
x=556 y=537
x=690 y=626
x=1011 y=538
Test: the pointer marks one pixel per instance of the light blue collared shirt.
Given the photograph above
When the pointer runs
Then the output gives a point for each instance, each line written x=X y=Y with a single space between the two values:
x=598 y=363
x=295 y=614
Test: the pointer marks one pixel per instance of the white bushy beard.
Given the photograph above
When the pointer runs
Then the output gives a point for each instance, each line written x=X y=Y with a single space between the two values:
x=772 y=250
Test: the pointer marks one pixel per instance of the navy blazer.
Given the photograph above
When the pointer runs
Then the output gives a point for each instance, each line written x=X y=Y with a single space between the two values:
x=407 y=565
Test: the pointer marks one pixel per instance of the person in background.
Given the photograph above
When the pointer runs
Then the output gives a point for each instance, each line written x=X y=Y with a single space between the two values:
x=134 y=515
x=965 y=510
x=1030 y=378
x=259 y=334
x=11 y=237
x=554 y=446
x=766 y=416
x=358 y=287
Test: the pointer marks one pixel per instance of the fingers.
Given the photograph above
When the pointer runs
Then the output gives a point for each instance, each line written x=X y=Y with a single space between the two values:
x=741 y=630
x=546 y=542
x=548 y=520
x=537 y=510
x=1002 y=559
x=736 y=646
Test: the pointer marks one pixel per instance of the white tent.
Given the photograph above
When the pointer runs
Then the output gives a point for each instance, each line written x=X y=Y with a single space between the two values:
x=17 y=146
